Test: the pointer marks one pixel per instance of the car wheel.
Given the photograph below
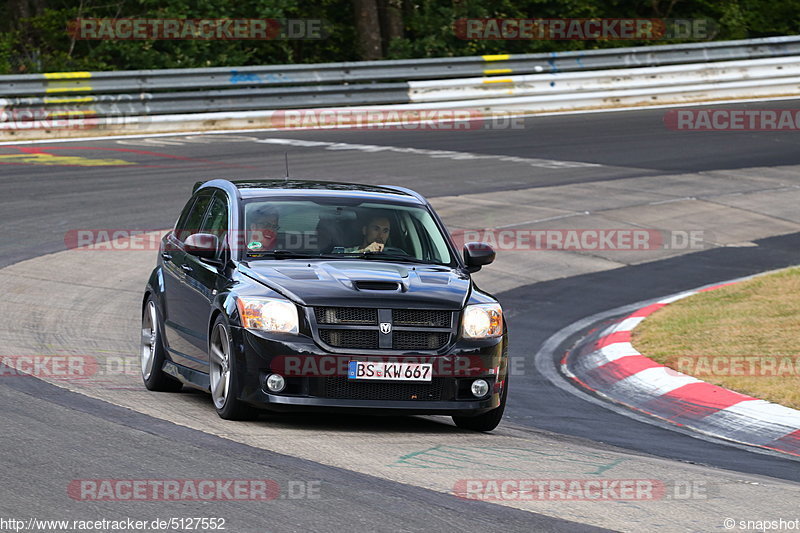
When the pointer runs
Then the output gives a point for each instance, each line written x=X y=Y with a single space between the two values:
x=223 y=377
x=152 y=353
x=486 y=421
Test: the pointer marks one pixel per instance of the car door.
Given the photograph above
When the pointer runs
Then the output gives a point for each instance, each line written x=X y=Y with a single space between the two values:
x=203 y=279
x=178 y=309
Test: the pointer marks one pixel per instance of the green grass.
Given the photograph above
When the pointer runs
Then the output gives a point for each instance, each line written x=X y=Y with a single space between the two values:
x=759 y=318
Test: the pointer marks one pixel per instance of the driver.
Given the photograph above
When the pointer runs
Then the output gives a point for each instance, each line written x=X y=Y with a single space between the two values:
x=376 y=233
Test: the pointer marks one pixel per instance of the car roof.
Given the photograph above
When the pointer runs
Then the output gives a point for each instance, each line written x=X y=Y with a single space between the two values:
x=316 y=188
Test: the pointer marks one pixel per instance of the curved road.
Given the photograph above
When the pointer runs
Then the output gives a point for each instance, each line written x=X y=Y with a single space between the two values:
x=594 y=171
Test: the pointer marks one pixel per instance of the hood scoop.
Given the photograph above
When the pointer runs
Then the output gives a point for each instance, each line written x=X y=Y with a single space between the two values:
x=373 y=285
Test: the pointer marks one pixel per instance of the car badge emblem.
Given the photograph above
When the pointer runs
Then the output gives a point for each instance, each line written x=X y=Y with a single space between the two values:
x=386 y=328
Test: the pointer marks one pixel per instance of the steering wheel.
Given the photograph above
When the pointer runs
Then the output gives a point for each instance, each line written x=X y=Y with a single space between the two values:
x=394 y=251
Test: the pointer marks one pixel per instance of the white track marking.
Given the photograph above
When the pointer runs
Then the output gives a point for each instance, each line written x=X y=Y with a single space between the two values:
x=436 y=154
x=768 y=412
x=187 y=139
x=655 y=381
x=677 y=297
x=629 y=323
x=615 y=351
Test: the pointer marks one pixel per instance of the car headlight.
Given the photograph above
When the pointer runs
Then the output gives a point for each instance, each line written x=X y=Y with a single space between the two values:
x=268 y=314
x=482 y=321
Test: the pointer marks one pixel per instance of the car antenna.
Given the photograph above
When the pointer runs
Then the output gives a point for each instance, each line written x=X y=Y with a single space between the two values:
x=286 y=156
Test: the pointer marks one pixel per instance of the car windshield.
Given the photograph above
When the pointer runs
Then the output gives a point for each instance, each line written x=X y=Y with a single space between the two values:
x=304 y=228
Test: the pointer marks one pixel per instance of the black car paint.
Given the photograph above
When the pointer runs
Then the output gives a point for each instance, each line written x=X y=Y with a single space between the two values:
x=201 y=290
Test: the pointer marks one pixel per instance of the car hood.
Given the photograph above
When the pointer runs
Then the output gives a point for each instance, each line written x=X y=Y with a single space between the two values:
x=362 y=283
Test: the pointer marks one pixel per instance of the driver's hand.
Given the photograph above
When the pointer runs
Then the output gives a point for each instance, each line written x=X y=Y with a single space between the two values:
x=374 y=247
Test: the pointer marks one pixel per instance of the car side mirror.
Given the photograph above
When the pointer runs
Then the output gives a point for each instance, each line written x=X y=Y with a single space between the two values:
x=202 y=245
x=478 y=254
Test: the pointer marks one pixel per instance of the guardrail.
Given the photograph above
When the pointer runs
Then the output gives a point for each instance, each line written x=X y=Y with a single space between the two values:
x=525 y=83
x=621 y=87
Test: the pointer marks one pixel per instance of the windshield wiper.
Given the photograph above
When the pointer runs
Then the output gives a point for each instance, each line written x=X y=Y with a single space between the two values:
x=391 y=257
x=282 y=254
x=288 y=254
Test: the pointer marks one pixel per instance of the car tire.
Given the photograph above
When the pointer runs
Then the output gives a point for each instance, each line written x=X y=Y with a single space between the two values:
x=152 y=353
x=223 y=375
x=486 y=421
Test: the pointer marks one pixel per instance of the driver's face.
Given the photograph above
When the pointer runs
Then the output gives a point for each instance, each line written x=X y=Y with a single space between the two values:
x=377 y=231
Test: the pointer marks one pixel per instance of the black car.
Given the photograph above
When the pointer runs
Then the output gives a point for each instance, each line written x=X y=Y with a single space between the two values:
x=304 y=295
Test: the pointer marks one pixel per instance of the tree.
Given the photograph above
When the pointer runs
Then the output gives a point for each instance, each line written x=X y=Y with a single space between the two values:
x=391 y=15
x=368 y=29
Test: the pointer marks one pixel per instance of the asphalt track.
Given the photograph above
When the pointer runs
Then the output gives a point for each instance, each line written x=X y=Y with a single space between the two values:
x=46 y=428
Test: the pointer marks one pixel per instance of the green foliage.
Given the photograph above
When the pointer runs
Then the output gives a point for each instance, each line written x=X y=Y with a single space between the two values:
x=6 y=44
x=40 y=42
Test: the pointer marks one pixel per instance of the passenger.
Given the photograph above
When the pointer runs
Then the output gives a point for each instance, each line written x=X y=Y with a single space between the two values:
x=263 y=229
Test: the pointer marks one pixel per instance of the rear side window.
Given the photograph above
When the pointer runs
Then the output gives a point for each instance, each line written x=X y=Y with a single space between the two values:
x=190 y=224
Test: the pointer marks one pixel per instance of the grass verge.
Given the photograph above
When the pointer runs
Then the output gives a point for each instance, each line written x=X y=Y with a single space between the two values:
x=744 y=337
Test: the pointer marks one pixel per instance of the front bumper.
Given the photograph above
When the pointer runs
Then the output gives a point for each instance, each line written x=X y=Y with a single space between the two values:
x=275 y=402
x=316 y=379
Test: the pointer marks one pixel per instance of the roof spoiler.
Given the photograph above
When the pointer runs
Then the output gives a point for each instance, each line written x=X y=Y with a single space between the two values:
x=406 y=190
x=197 y=186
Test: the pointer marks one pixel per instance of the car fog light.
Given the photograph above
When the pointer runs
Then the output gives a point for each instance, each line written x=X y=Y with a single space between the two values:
x=276 y=383
x=479 y=388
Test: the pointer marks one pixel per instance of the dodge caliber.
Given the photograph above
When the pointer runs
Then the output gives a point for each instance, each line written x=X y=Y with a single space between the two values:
x=292 y=295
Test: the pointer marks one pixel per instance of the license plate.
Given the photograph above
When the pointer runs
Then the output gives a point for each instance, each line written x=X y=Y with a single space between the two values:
x=390 y=371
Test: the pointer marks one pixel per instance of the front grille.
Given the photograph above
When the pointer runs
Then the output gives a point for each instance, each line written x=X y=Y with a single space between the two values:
x=419 y=340
x=346 y=315
x=350 y=338
x=413 y=328
x=348 y=389
x=421 y=318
